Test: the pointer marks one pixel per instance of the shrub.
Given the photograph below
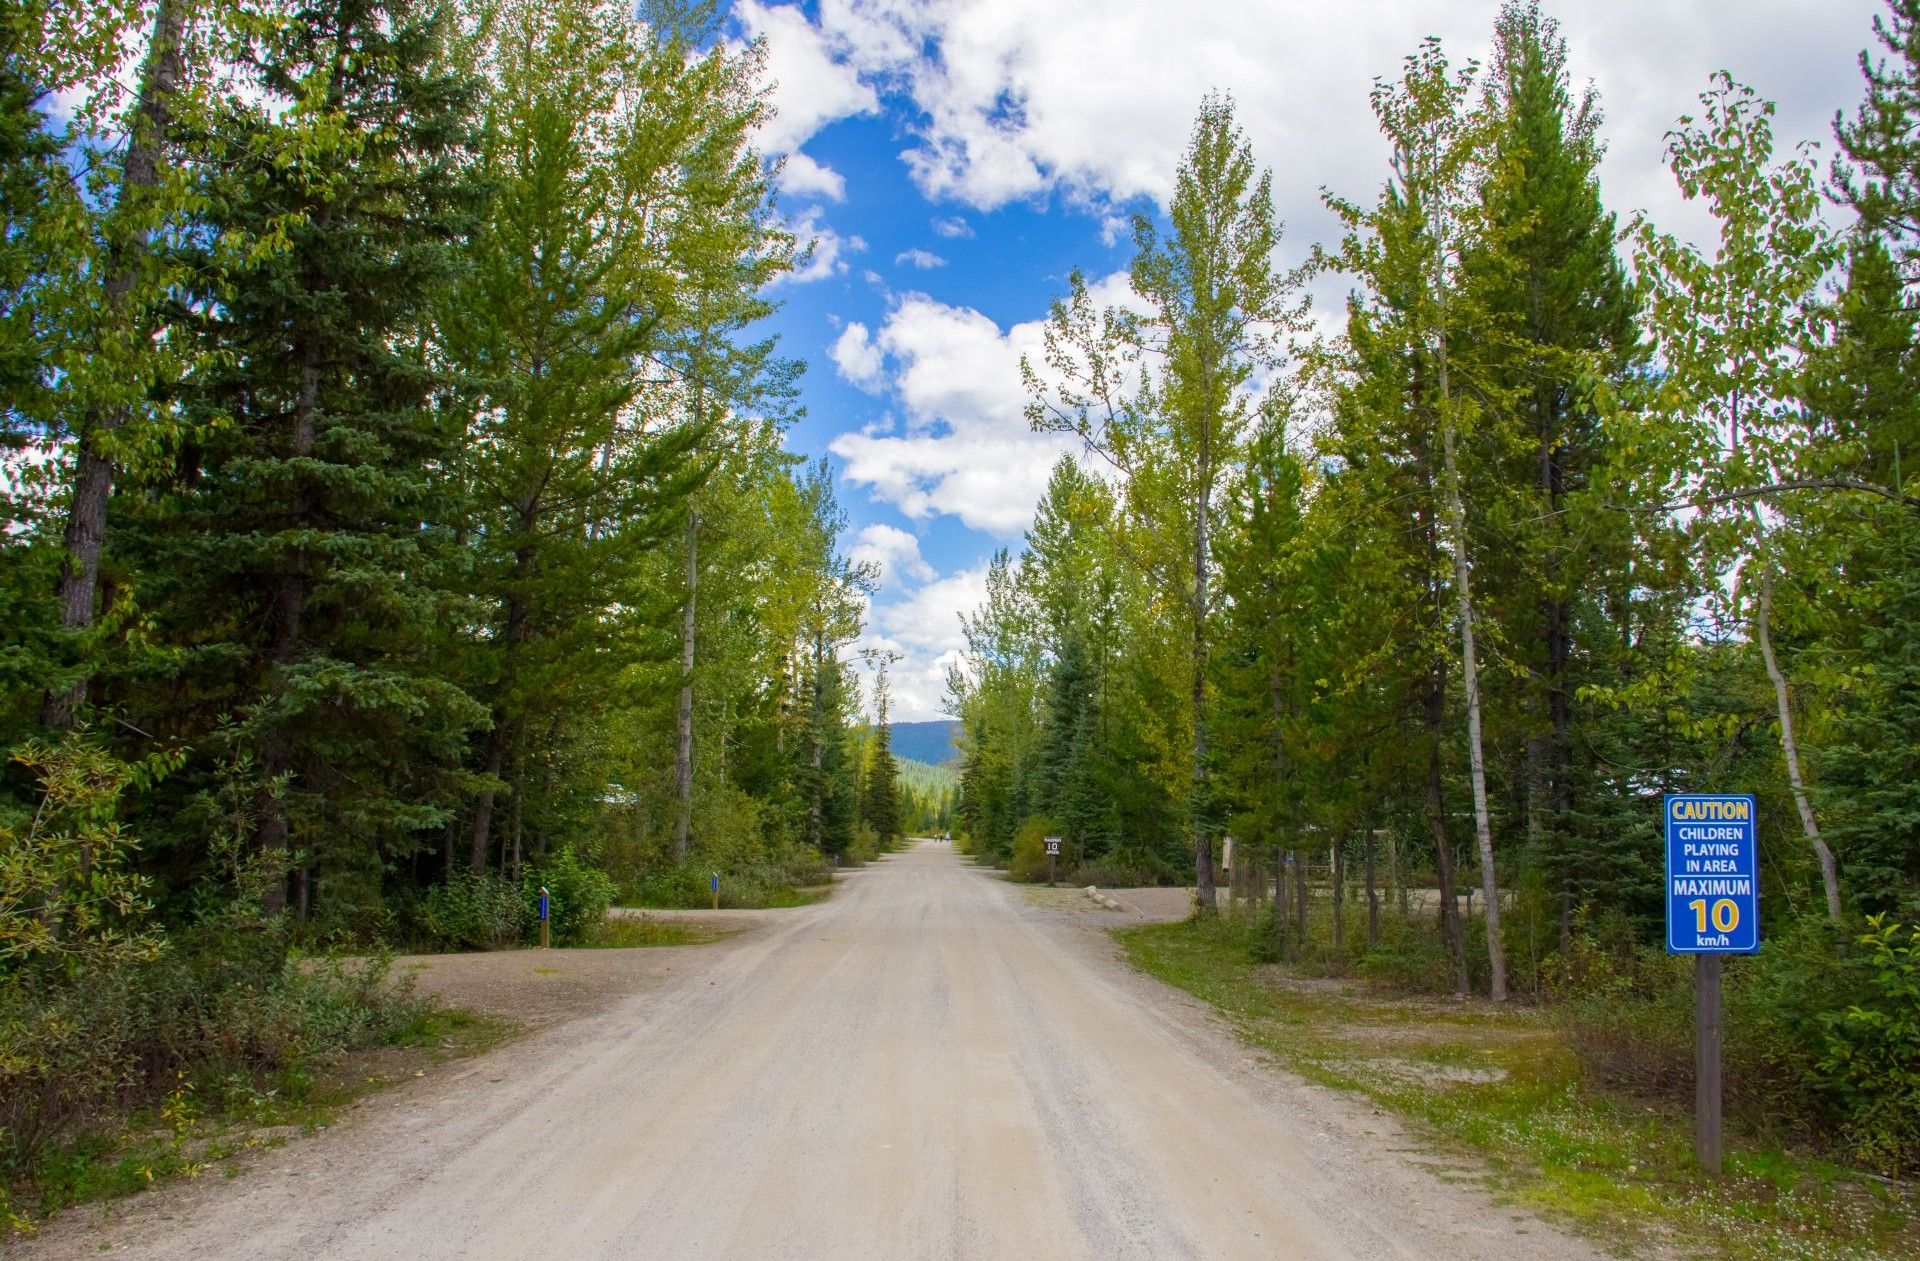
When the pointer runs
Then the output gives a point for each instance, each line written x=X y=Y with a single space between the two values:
x=1029 y=859
x=863 y=849
x=1871 y=1057
x=743 y=885
x=578 y=896
x=1128 y=868
x=475 y=911
x=77 y=1048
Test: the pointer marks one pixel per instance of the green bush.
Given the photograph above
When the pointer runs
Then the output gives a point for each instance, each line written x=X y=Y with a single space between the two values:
x=863 y=849
x=578 y=896
x=76 y=1049
x=745 y=885
x=1871 y=1057
x=1126 y=868
x=475 y=911
x=1029 y=859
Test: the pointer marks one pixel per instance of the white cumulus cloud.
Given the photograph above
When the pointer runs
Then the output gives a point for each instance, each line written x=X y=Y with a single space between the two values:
x=925 y=260
x=815 y=79
x=894 y=552
x=801 y=176
x=829 y=248
x=923 y=628
x=966 y=449
x=856 y=356
x=1009 y=100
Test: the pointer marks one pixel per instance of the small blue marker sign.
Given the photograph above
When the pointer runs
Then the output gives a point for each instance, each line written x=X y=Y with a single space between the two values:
x=1713 y=874
x=713 y=882
x=543 y=905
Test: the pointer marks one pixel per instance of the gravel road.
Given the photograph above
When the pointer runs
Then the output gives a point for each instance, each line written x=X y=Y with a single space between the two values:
x=931 y=1064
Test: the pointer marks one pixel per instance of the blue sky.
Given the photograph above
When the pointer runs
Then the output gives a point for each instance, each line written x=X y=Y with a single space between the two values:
x=954 y=160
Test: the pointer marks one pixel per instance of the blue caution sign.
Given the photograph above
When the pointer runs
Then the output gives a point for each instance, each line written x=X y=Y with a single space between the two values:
x=1713 y=875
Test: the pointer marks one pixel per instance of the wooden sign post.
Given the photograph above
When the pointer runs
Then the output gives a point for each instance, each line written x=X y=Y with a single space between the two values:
x=1713 y=909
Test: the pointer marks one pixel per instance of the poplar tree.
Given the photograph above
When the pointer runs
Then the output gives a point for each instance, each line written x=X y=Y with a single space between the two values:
x=1216 y=312
x=1410 y=247
x=1733 y=329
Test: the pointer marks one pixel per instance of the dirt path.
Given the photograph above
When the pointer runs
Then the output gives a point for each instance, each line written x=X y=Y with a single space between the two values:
x=933 y=1064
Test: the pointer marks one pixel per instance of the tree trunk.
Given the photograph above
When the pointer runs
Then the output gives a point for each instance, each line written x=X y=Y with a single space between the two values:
x=1470 y=670
x=1280 y=906
x=1451 y=931
x=1202 y=844
x=1373 y=896
x=1339 y=861
x=683 y=742
x=483 y=809
x=1829 y=872
x=289 y=612
x=816 y=824
x=86 y=528
x=1300 y=901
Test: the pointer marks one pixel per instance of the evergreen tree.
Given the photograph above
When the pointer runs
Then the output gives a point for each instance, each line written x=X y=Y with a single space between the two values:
x=1559 y=317
x=293 y=573
x=1877 y=171
x=880 y=800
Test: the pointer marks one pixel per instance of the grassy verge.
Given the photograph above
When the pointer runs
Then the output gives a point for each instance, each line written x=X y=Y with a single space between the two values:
x=1500 y=1082
x=208 y=1128
x=627 y=932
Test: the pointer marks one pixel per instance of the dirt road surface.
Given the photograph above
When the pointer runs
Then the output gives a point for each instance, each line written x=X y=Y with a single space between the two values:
x=931 y=1065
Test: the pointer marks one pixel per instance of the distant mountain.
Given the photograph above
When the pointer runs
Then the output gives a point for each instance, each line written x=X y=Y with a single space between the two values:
x=929 y=742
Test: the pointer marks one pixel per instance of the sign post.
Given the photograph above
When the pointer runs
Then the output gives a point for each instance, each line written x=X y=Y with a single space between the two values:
x=713 y=883
x=1053 y=856
x=546 y=938
x=1713 y=909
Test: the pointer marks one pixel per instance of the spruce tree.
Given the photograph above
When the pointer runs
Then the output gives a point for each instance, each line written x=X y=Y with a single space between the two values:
x=299 y=553
x=880 y=802
x=1558 y=317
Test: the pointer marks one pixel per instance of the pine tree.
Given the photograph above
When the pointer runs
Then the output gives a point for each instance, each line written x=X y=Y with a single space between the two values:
x=1877 y=171
x=1559 y=317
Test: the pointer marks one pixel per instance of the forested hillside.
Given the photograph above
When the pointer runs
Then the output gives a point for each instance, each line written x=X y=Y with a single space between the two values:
x=929 y=742
x=399 y=516
x=1572 y=514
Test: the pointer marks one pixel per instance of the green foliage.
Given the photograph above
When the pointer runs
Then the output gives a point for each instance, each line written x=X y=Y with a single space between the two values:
x=70 y=900
x=578 y=896
x=476 y=910
x=1027 y=860
x=1871 y=1056
x=756 y=885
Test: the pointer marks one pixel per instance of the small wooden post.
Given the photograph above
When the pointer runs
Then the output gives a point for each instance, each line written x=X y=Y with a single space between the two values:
x=1707 y=1146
